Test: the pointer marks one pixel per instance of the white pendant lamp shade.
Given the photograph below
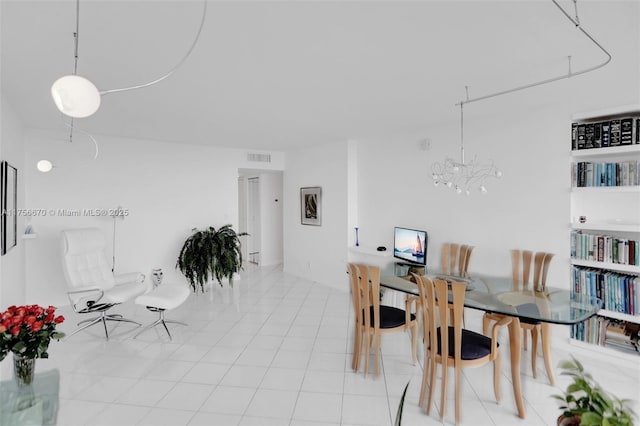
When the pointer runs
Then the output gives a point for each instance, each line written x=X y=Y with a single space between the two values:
x=44 y=166
x=75 y=96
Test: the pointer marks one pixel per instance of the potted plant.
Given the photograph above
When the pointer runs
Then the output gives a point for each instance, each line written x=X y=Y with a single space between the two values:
x=211 y=253
x=586 y=403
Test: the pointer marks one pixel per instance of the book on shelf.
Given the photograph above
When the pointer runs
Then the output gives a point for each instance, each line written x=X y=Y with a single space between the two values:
x=603 y=331
x=602 y=134
x=597 y=135
x=588 y=174
x=626 y=131
x=589 y=133
x=621 y=334
x=605 y=125
x=614 y=133
x=580 y=136
x=618 y=291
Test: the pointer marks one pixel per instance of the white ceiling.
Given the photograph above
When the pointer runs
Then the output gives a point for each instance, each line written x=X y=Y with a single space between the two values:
x=275 y=75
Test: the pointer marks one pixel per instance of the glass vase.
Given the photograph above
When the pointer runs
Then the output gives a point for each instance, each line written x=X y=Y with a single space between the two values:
x=23 y=370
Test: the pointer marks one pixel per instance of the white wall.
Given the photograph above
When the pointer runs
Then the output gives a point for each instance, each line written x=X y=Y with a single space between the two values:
x=317 y=252
x=167 y=188
x=12 y=290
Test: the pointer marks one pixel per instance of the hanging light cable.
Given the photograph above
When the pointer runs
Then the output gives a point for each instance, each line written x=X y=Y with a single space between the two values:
x=46 y=166
x=77 y=97
x=74 y=95
x=463 y=176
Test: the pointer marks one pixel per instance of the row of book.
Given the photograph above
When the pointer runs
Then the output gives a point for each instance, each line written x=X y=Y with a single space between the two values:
x=622 y=131
x=604 y=248
x=604 y=331
x=618 y=292
x=588 y=174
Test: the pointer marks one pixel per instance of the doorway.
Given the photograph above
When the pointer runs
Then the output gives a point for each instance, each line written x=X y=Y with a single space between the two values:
x=260 y=211
x=253 y=220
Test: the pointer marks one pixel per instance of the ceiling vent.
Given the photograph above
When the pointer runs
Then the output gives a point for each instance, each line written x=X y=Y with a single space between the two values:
x=261 y=158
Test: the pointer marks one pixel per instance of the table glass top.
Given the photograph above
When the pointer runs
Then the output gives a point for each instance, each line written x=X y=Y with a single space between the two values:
x=499 y=295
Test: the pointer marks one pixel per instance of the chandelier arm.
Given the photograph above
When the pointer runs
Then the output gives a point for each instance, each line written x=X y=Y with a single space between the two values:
x=158 y=80
x=551 y=80
x=95 y=142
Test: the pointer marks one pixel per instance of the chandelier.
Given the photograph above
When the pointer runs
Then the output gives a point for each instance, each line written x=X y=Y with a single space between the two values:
x=461 y=176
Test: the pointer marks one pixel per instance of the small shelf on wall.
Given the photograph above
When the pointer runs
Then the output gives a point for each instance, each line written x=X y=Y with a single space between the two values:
x=633 y=269
x=606 y=350
x=607 y=151
x=371 y=251
x=605 y=189
x=620 y=316
x=620 y=226
x=29 y=236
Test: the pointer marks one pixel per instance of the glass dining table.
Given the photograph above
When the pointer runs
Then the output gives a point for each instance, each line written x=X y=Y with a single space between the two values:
x=501 y=295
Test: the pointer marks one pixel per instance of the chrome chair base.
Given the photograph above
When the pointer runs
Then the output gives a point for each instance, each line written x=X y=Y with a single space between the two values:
x=160 y=320
x=103 y=318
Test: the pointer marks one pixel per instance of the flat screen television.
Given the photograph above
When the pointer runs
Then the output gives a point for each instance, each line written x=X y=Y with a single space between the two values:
x=410 y=245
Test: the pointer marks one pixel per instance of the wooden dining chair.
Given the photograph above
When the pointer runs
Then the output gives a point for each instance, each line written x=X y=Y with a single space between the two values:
x=357 y=297
x=378 y=319
x=455 y=259
x=541 y=261
x=457 y=348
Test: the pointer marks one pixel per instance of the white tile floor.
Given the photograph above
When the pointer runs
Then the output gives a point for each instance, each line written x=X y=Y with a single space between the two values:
x=276 y=350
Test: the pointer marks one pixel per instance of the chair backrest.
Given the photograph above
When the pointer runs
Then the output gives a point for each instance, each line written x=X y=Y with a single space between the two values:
x=440 y=310
x=541 y=261
x=366 y=293
x=455 y=259
x=356 y=292
x=371 y=279
x=83 y=259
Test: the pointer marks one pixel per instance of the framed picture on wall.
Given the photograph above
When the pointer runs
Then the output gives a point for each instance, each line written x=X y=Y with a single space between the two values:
x=311 y=205
x=9 y=201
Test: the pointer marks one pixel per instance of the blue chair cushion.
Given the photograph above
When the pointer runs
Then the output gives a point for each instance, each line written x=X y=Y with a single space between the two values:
x=528 y=309
x=474 y=345
x=390 y=317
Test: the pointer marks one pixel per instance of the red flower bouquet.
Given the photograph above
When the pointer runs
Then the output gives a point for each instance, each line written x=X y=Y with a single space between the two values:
x=27 y=330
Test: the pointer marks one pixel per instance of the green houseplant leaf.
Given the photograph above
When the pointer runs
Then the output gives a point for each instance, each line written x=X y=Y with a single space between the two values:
x=210 y=254
x=585 y=399
x=398 y=421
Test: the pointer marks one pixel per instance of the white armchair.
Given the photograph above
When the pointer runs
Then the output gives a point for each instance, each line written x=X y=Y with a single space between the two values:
x=93 y=288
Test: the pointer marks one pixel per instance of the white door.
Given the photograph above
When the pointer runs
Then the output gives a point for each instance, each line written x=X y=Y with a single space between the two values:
x=253 y=220
x=242 y=215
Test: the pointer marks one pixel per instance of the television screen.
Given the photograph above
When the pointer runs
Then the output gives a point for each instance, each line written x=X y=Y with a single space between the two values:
x=410 y=245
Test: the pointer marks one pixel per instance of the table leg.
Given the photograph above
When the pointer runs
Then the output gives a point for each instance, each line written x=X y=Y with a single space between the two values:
x=546 y=350
x=515 y=349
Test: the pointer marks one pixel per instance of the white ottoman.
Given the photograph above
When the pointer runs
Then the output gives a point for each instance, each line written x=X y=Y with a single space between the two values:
x=163 y=297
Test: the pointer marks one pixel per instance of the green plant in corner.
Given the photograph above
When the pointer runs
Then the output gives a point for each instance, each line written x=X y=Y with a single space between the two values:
x=586 y=403
x=398 y=421
x=211 y=254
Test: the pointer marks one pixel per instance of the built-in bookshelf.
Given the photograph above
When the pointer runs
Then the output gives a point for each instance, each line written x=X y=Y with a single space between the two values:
x=605 y=225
